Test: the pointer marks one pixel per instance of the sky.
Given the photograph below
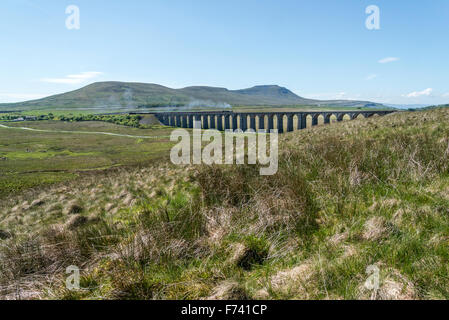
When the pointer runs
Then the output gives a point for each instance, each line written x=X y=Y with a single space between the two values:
x=319 y=49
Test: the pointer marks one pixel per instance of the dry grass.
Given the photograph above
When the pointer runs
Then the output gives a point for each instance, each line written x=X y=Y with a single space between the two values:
x=346 y=196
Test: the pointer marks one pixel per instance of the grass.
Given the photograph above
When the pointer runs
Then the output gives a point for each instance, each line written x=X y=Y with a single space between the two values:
x=35 y=158
x=354 y=194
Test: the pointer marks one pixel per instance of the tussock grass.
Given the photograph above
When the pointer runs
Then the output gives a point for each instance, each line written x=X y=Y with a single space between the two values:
x=369 y=192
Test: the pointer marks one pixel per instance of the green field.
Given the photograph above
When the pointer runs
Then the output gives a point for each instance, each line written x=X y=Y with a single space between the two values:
x=33 y=158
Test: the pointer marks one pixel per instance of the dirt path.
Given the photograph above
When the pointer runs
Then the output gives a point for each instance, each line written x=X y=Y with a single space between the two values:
x=85 y=132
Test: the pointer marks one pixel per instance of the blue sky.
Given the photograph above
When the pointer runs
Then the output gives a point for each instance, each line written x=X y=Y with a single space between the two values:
x=318 y=49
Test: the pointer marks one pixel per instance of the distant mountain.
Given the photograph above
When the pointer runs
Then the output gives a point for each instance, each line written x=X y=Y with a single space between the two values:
x=437 y=106
x=406 y=106
x=110 y=95
x=258 y=95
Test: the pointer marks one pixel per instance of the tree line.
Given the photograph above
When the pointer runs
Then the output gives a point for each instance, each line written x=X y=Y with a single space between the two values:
x=125 y=120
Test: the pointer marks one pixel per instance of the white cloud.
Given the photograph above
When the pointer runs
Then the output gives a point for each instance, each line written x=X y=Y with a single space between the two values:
x=340 y=95
x=388 y=60
x=427 y=92
x=371 y=77
x=446 y=95
x=74 y=78
x=333 y=96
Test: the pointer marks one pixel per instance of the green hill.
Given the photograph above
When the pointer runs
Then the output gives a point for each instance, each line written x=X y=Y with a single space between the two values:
x=437 y=107
x=113 y=95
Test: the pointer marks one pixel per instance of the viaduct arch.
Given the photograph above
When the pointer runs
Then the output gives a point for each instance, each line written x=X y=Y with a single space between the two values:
x=226 y=120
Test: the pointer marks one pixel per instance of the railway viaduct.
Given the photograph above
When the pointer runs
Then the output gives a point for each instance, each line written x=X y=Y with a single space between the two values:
x=225 y=120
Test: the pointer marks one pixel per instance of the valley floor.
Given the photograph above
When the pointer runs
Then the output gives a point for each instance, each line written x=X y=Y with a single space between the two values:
x=40 y=153
x=352 y=201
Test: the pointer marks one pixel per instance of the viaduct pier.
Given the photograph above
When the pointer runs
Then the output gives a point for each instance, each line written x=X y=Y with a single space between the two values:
x=283 y=121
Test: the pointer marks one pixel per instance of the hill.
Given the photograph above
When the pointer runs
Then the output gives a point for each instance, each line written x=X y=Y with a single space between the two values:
x=437 y=107
x=113 y=95
x=350 y=200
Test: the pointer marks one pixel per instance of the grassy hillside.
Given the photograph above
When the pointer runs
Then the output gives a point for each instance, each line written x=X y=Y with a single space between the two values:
x=347 y=196
x=113 y=95
x=62 y=151
x=437 y=106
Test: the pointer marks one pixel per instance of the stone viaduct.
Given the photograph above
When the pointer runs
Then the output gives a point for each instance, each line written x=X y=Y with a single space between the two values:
x=225 y=120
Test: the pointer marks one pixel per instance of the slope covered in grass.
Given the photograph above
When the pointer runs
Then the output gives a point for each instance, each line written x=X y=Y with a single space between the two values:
x=60 y=151
x=347 y=197
x=112 y=95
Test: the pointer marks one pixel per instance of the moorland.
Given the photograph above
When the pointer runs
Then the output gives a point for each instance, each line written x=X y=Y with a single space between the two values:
x=347 y=196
